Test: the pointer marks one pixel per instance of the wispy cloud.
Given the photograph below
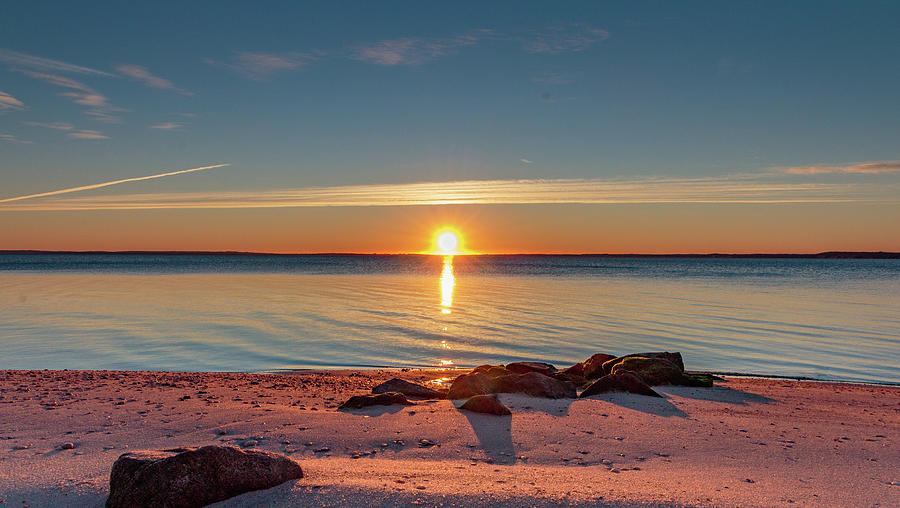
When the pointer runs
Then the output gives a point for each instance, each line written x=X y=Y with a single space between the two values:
x=562 y=39
x=60 y=126
x=87 y=134
x=262 y=66
x=9 y=138
x=17 y=59
x=10 y=103
x=526 y=161
x=413 y=51
x=731 y=189
x=863 y=167
x=167 y=126
x=107 y=184
x=141 y=74
x=99 y=106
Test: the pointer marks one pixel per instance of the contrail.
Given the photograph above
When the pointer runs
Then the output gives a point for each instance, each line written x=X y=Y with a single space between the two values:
x=107 y=184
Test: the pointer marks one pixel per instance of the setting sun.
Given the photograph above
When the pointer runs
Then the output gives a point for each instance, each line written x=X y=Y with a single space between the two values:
x=447 y=242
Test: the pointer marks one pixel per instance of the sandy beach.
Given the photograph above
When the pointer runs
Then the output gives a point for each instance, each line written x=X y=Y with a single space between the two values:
x=745 y=442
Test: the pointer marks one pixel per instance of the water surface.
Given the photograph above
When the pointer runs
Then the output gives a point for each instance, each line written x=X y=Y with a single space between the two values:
x=835 y=319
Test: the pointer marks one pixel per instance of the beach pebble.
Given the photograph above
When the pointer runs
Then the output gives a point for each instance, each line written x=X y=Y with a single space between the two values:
x=426 y=443
x=67 y=446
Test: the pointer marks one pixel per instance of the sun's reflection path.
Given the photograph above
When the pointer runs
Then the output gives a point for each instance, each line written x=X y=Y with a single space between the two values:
x=448 y=281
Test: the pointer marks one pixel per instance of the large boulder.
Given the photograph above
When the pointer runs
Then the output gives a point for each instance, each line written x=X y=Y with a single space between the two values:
x=674 y=358
x=658 y=371
x=488 y=404
x=536 y=385
x=619 y=382
x=491 y=370
x=194 y=477
x=526 y=367
x=592 y=368
x=408 y=389
x=468 y=385
x=381 y=399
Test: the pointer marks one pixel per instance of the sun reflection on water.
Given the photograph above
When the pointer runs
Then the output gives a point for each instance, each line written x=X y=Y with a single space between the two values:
x=448 y=281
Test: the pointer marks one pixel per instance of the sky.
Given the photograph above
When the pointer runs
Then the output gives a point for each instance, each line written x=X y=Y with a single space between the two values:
x=607 y=127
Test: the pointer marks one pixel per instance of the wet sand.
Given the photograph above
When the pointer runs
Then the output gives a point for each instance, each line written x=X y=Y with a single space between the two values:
x=745 y=442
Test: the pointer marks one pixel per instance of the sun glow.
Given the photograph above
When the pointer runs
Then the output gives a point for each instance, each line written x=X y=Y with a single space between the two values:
x=447 y=243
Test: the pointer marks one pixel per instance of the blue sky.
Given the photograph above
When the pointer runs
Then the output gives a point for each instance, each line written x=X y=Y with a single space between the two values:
x=298 y=95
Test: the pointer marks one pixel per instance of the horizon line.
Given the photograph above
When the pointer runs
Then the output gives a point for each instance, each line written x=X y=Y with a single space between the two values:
x=822 y=254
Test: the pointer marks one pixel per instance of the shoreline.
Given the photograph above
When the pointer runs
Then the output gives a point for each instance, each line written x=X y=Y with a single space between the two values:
x=744 y=442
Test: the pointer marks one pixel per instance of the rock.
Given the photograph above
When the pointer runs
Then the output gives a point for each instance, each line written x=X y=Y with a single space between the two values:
x=593 y=366
x=194 y=477
x=575 y=370
x=658 y=371
x=381 y=399
x=675 y=358
x=488 y=404
x=67 y=446
x=408 y=389
x=526 y=367
x=536 y=385
x=571 y=377
x=491 y=370
x=467 y=385
x=619 y=382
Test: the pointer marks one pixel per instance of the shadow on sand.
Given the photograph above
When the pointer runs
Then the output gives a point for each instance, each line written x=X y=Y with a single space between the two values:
x=494 y=435
x=375 y=410
x=715 y=394
x=650 y=405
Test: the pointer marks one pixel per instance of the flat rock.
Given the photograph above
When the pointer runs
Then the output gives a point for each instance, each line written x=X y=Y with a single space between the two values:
x=409 y=389
x=619 y=382
x=526 y=367
x=468 y=385
x=194 y=477
x=536 y=385
x=381 y=399
x=487 y=404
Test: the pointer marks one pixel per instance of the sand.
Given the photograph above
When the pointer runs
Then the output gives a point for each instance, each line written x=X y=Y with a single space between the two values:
x=746 y=442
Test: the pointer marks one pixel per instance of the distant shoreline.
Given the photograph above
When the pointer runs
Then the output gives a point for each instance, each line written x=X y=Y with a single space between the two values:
x=820 y=255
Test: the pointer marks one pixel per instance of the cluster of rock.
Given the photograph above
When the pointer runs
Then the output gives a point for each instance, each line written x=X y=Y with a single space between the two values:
x=601 y=373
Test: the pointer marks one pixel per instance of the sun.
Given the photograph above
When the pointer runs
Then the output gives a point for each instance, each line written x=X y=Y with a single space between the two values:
x=447 y=242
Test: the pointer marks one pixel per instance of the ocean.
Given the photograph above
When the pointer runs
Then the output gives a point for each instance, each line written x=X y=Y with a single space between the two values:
x=828 y=319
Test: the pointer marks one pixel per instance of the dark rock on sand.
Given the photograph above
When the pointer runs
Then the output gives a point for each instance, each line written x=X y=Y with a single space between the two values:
x=658 y=371
x=592 y=368
x=675 y=358
x=526 y=367
x=619 y=382
x=488 y=404
x=468 y=385
x=536 y=385
x=381 y=399
x=408 y=389
x=491 y=370
x=194 y=477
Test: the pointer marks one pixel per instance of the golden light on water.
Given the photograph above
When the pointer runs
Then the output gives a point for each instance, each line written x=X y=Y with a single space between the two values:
x=448 y=281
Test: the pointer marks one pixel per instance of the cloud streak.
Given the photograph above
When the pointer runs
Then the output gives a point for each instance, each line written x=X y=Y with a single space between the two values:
x=107 y=184
x=731 y=189
x=45 y=64
x=412 y=50
x=142 y=75
x=9 y=138
x=875 y=167
x=99 y=106
x=262 y=66
x=10 y=103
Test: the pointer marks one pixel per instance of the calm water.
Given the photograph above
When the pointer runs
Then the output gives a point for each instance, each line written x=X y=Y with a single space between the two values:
x=827 y=319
